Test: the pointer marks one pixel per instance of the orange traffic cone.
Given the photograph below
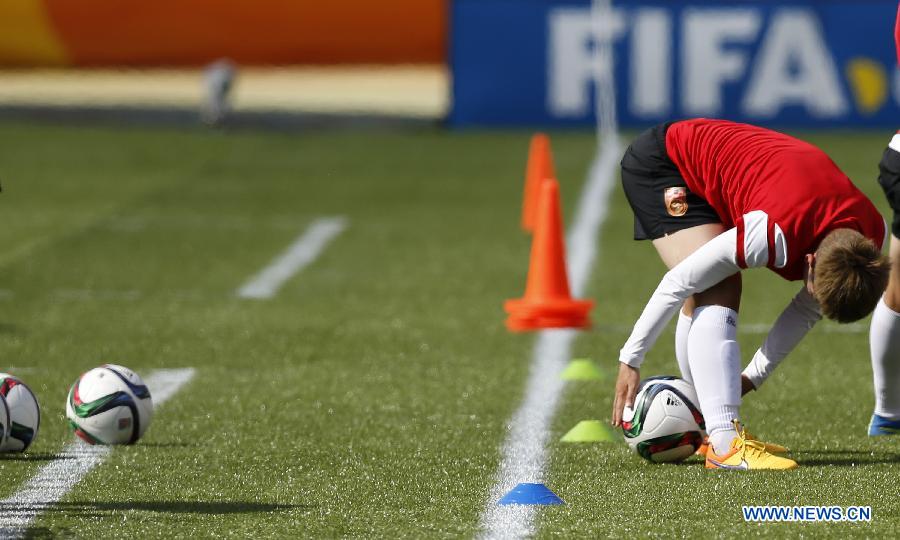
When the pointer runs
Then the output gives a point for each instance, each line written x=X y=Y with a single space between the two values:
x=547 y=302
x=538 y=169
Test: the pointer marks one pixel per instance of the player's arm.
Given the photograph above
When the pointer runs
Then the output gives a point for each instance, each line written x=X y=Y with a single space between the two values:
x=709 y=265
x=792 y=325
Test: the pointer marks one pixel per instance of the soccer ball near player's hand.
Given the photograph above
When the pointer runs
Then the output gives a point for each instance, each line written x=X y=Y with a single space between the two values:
x=665 y=424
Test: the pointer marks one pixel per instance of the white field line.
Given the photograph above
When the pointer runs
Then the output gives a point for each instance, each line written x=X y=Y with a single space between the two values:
x=826 y=327
x=55 y=479
x=525 y=449
x=524 y=453
x=297 y=256
x=85 y=295
x=755 y=328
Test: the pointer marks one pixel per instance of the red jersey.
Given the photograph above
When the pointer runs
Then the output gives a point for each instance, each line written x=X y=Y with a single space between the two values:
x=783 y=195
x=897 y=34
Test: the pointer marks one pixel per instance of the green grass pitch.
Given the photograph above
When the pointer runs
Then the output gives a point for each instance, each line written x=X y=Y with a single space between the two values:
x=370 y=396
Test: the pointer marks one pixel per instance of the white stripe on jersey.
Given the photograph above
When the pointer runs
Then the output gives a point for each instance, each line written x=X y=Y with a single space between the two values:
x=756 y=239
x=780 y=248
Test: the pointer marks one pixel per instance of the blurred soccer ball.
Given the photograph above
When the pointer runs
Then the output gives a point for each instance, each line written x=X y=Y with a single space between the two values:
x=665 y=424
x=4 y=421
x=109 y=404
x=24 y=413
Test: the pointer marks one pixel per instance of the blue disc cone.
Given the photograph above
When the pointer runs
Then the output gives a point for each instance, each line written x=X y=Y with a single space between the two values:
x=530 y=494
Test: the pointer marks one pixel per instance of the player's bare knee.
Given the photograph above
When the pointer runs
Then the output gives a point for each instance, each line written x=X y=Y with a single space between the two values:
x=688 y=307
x=726 y=293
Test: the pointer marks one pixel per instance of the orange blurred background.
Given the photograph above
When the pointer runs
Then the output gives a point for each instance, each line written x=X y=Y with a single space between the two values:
x=194 y=32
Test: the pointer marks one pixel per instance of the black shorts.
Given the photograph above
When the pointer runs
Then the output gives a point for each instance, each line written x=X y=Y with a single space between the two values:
x=889 y=178
x=658 y=195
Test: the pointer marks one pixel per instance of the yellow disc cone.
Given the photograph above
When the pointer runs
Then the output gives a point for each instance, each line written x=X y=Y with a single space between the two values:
x=589 y=431
x=582 y=369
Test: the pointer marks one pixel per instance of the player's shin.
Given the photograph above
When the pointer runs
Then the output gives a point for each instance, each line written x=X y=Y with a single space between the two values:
x=884 y=342
x=715 y=360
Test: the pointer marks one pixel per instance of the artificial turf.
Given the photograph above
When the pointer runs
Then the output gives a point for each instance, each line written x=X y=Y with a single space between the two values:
x=370 y=397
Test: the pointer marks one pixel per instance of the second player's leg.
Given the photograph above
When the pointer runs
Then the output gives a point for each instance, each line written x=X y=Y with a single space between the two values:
x=884 y=331
x=884 y=346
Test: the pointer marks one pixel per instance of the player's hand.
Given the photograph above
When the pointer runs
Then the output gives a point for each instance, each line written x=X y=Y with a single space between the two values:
x=626 y=387
x=746 y=385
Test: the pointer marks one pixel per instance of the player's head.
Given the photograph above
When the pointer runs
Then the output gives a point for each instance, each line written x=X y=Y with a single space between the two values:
x=848 y=275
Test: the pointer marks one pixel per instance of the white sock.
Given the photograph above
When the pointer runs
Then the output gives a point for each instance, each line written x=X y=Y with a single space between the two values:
x=884 y=344
x=682 y=330
x=715 y=361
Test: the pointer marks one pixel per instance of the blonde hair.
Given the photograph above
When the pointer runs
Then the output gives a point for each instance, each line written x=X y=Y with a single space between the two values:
x=850 y=275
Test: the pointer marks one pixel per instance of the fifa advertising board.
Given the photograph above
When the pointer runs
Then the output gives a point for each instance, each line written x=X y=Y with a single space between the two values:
x=802 y=64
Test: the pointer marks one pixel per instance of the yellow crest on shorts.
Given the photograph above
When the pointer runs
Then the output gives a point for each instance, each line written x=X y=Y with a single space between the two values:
x=676 y=201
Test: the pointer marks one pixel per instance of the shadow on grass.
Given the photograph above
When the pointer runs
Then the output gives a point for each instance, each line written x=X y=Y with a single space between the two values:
x=50 y=456
x=869 y=453
x=689 y=462
x=168 y=444
x=103 y=508
x=9 y=328
x=34 y=456
x=33 y=532
x=847 y=458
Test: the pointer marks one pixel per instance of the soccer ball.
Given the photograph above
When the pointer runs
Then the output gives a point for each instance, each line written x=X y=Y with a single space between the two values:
x=4 y=420
x=109 y=404
x=24 y=413
x=665 y=424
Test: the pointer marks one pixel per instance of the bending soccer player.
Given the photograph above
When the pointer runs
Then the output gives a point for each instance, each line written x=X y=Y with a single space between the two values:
x=715 y=198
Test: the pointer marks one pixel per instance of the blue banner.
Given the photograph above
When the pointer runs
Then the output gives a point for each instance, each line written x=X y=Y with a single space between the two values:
x=782 y=63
